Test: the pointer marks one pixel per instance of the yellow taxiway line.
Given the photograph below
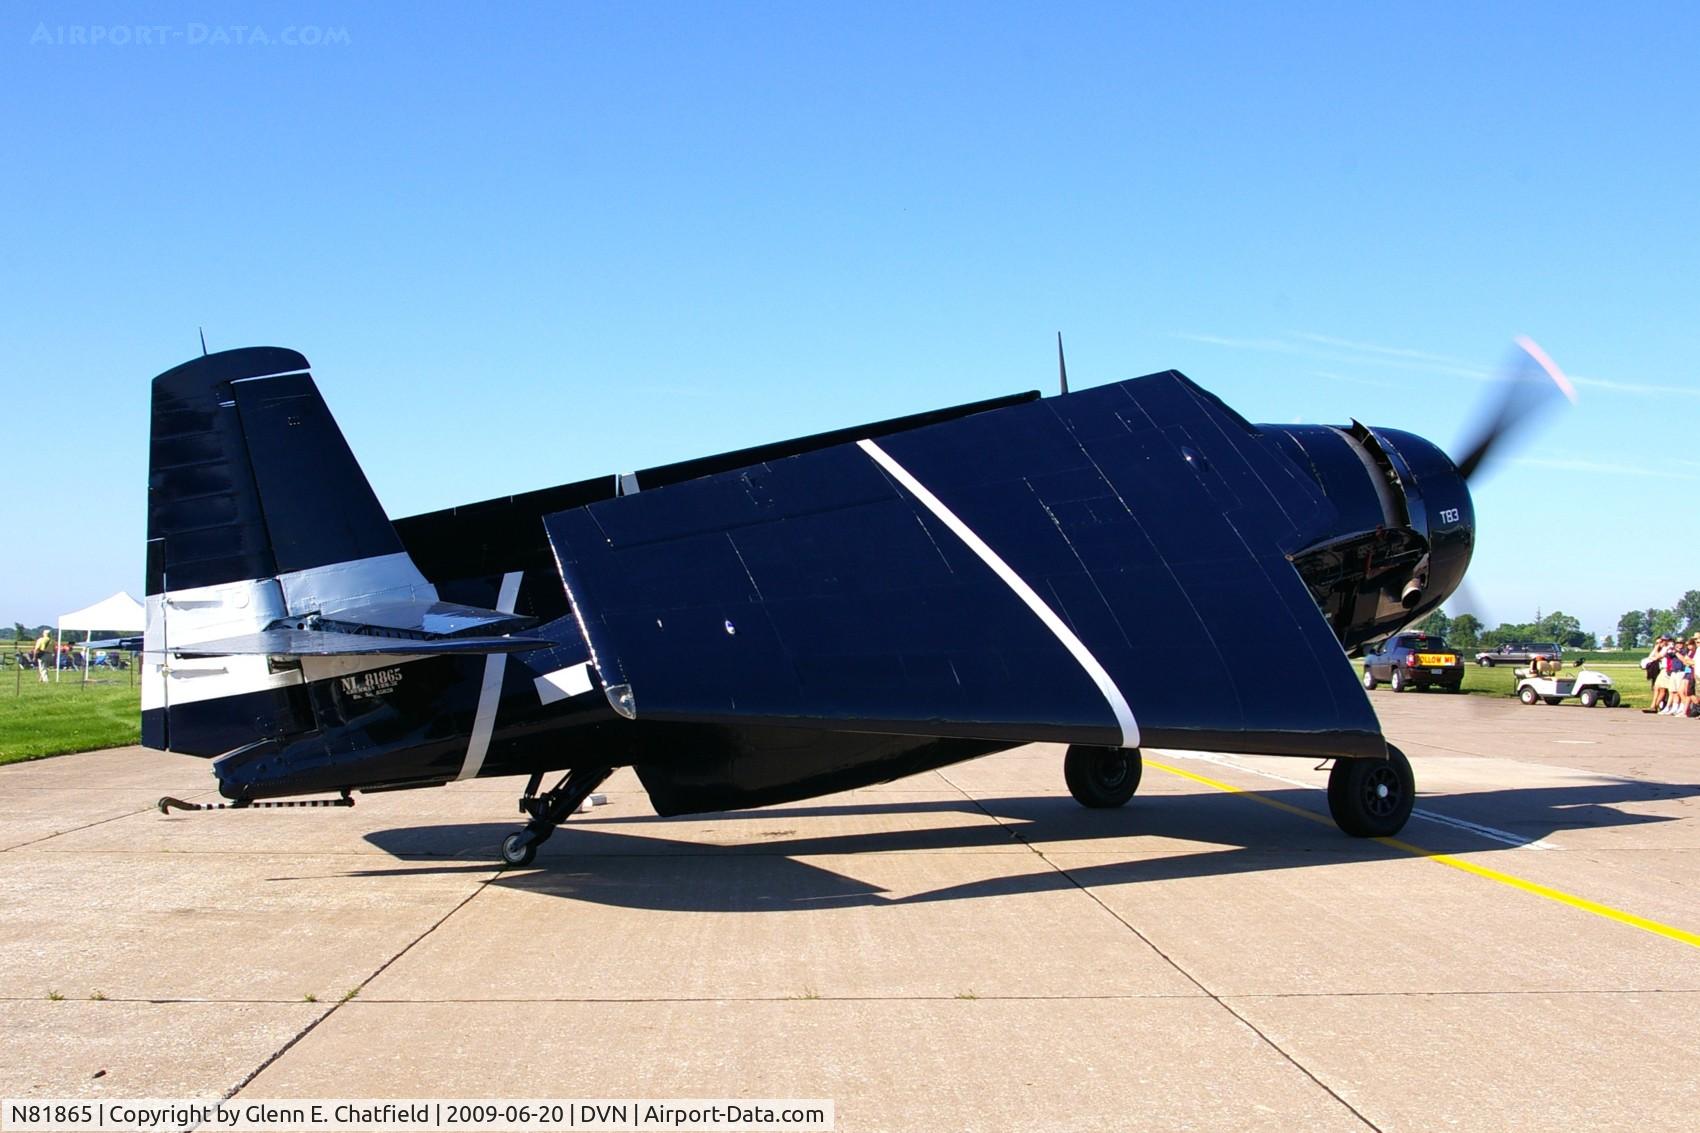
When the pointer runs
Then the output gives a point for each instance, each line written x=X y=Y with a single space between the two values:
x=1657 y=928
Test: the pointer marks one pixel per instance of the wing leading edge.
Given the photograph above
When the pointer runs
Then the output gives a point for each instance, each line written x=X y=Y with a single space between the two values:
x=1109 y=567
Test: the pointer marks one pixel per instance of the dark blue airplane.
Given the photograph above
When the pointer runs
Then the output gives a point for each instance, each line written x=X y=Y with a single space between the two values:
x=1127 y=565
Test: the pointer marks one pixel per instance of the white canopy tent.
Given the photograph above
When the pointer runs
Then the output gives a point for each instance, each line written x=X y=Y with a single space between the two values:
x=119 y=613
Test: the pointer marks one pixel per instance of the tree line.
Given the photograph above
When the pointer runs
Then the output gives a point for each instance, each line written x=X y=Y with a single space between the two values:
x=26 y=637
x=1466 y=631
x=1643 y=627
x=1635 y=629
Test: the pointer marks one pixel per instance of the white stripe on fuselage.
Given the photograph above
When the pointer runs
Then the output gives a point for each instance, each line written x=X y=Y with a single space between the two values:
x=490 y=694
x=1076 y=647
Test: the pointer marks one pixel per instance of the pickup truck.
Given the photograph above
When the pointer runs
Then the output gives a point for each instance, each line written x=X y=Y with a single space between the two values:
x=1520 y=653
x=1418 y=660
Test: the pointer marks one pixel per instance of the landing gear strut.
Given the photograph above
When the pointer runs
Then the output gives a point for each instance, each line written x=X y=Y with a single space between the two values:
x=548 y=811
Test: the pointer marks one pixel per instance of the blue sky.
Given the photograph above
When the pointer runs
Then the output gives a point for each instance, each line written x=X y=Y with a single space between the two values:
x=540 y=243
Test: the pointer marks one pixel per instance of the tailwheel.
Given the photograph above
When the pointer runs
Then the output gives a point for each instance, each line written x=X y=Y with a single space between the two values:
x=548 y=811
x=1372 y=798
x=1102 y=776
x=519 y=848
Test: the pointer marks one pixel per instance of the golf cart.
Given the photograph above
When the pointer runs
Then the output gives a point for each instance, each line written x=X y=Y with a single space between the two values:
x=1540 y=681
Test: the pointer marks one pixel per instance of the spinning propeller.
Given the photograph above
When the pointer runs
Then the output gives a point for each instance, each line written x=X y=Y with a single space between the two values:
x=1529 y=385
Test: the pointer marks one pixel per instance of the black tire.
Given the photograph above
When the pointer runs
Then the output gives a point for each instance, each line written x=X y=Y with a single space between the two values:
x=1102 y=777
x=1372 y=798
x=1555 y=701
x=1369 y=679
x=519 y=848
x=1488 y=661
x=1589 y=697
x=1528 y=695
x=1398 y=681
x=1613 y=699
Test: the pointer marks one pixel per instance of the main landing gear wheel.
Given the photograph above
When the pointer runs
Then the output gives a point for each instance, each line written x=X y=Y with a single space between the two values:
x=548 y=811
x=1372 y=798
x=1102 y=776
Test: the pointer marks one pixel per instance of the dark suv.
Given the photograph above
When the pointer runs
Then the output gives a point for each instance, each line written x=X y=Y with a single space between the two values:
x=1520 y=653
x=1414 y=659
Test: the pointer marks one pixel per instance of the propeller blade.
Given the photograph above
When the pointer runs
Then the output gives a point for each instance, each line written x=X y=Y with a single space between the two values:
x=1466 y=600
x=1062 y=367
x=1531 y=383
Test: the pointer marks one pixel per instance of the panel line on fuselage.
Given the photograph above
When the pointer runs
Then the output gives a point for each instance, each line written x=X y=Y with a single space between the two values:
x=490 y=693
x=1100 y=676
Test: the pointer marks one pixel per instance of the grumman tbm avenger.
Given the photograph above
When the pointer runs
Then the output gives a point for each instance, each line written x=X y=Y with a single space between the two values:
x=795 y=619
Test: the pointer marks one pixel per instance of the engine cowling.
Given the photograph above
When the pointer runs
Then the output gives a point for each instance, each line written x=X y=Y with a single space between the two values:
x=1406 y=531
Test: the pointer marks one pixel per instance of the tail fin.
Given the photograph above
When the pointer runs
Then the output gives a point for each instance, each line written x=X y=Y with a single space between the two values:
x=249 y=476
x=257 y=511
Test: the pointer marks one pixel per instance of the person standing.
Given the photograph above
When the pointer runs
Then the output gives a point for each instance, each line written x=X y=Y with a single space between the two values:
x=1682 y=677
x=1671 y=681
x=43 y=651
x=1654 y=666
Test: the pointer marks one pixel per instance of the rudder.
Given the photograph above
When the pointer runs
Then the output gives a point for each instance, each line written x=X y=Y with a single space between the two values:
x=257 y=511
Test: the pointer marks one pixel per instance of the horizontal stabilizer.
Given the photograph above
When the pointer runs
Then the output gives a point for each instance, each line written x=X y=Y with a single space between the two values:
x=318 y=643
x=438 y=619
x=126 y=644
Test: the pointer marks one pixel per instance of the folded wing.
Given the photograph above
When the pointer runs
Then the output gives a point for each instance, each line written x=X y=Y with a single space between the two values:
x=1108 y=567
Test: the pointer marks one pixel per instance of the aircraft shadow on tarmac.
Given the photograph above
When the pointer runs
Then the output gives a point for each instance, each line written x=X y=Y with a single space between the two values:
x=632 y=862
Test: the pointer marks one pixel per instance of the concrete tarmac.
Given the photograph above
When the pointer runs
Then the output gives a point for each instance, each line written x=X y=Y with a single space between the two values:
x=965 y=949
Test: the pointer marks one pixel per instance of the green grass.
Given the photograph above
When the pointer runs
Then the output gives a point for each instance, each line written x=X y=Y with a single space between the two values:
x=1607 y=656
x=1500 y=681
x=38 y=719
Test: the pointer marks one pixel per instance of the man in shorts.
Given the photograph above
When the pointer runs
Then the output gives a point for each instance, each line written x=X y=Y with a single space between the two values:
x=1671 y=681
x=1682 y=676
